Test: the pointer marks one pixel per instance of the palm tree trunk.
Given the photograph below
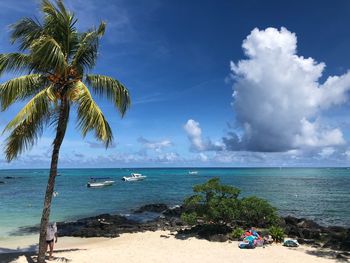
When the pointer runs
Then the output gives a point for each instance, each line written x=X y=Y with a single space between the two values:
x=60 y=132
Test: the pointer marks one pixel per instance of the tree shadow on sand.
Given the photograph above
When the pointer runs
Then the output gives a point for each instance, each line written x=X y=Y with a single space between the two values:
x=338 y=256
x=206 y=231
x=25 y=230
x=9 y=255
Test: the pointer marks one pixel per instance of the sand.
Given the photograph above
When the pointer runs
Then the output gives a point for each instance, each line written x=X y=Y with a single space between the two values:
x=162 y=247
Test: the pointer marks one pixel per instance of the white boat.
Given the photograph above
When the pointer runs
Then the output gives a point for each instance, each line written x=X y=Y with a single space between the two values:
x=96 y=182
x=134 y=177
x=193 y=172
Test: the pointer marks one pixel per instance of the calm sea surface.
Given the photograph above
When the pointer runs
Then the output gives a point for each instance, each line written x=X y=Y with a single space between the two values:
x=322 y=194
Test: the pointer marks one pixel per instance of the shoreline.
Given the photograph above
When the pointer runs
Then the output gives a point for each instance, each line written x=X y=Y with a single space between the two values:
x=159 y=246
x=160 y=217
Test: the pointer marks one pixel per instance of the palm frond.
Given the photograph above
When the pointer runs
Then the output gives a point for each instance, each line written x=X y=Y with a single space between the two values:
x=23 y=137
x=27 y=126
x=38 y=106
x=112 y=89
x=47 y=55
x=25 y=31
x=14 y=62
x=59 y=23
x=90 y=116
x=20 y=88
x=87 y=51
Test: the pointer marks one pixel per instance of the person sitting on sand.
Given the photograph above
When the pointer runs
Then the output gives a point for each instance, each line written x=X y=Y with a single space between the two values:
x=51 y=234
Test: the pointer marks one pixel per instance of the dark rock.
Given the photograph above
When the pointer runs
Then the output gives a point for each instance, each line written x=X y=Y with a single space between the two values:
x=337 y=244
x=341 y=257
x=345 y=245
x=2 y=182
x=293 y=231
x=301 y=241
x=155 y=208
x=335 y=229
x=306 y=241
x=311 y=233
x=10 y=177
x=106 y=225
x=174 y=212
x=308 y=232
x=309 y=241
x=306 y=223
x=290 y=220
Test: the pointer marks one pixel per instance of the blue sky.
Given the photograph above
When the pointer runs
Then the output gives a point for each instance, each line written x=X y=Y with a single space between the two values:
x=184 y=60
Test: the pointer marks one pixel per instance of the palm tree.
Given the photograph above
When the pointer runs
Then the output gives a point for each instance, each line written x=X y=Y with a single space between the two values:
x=56 y=58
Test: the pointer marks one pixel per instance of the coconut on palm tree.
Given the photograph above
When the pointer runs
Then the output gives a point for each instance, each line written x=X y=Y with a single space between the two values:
x=56 y=58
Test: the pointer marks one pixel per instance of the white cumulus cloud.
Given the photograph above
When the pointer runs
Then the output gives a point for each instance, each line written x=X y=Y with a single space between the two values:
x=194 y=134
x=278 y=96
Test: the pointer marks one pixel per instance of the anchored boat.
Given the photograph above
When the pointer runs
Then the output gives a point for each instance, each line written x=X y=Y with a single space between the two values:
x=96 y=182
x=134 y=177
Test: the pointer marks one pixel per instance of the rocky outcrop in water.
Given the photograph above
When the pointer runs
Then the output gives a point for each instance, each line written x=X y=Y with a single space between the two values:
x=154 y=208
x=107 y=225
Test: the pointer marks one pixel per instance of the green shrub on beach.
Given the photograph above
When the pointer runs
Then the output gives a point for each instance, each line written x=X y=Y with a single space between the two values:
x=237 y=233
x=190 y=218
x=277 y=233
x=212 y=203
x=255 y=211
x=215 y=203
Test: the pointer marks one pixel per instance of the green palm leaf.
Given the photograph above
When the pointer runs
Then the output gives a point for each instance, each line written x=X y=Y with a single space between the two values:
x=38 y=105
x=20 y=88
x=90 y=116
x=59 y=23
x=23 y=137
x=14 y=62
x=87 y=51
x=25 y=31
x=47 y=54
x=112 y=89
x=28 y=125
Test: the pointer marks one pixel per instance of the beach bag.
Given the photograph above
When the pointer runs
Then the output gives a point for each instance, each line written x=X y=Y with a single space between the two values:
x=245 y=244
x=291 y=243
x=260 y=243
x=254 y=233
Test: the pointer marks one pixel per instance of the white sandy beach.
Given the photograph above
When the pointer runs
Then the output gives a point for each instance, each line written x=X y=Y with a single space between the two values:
x=162 y=247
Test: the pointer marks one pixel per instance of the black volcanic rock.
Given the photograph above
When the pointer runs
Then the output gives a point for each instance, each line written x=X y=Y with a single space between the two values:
x=154 y=208
x=306 y=223
x=174 y=212
x=308 y=232
x=107 y=225
x=104 y=225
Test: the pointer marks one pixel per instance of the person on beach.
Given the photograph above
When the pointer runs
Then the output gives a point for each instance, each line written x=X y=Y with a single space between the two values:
x=51 y=238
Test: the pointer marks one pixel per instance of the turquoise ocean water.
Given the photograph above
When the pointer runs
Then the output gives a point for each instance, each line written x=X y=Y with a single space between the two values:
x=322 y=194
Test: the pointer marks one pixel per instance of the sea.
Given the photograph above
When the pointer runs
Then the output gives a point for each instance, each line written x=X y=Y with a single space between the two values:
x=320 y=194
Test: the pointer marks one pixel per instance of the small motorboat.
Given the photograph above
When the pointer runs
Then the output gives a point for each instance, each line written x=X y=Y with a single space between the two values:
x=99 y=182
x=134 y=177
x=193 y=172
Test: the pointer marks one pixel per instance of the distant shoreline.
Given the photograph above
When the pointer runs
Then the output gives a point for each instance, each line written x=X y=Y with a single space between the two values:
x=186 y=167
